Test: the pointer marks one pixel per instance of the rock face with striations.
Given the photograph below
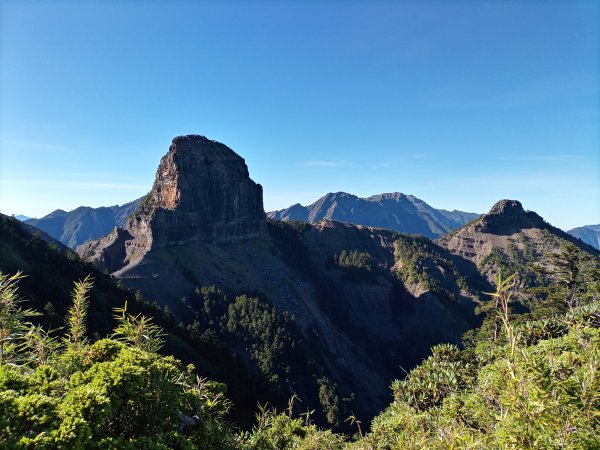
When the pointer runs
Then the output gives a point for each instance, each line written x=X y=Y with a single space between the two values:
x=202 y=192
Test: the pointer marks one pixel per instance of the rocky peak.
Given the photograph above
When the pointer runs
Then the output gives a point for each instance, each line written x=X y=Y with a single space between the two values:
x=336 y=196
x=194 y=168
x=56 y=213
x=510 y=207
x=508 y=216
x=202 y=192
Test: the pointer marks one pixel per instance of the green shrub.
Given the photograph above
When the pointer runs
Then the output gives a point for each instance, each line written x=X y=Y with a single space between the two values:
x=108 y=394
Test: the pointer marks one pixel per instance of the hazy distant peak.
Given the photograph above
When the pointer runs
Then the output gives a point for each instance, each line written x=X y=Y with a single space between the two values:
x=57 y=212
x=387 y=196
x=391 y=210
x=337 y=195
x=590 y=234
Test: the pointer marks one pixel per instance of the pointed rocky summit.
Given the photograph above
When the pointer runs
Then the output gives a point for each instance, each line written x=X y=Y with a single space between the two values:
x=507 y=217
x=506 y=237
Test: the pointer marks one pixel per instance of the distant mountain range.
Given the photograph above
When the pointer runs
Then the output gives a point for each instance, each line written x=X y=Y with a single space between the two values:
x=84 y=223
x=395 y=211
x=590 y=234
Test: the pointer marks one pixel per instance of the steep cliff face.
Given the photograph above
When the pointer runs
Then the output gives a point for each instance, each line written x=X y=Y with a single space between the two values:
x=108 y=252
x=202 y=192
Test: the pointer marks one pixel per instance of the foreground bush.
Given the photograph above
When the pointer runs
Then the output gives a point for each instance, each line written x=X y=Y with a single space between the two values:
x=114 y=393
x=503 y=394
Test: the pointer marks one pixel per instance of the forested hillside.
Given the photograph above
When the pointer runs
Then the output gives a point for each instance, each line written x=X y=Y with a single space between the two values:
x=522 y=381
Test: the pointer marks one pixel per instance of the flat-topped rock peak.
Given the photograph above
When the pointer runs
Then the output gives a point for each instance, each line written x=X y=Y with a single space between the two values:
x=202 y=192
x=505 y=206
x=192 y=173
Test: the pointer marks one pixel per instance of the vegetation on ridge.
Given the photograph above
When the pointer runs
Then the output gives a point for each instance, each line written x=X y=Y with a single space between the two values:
x=534 y=383
x=420 y=261
x=357 y=266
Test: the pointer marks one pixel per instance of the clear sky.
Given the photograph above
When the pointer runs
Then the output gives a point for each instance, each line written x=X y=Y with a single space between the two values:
x=457 y=103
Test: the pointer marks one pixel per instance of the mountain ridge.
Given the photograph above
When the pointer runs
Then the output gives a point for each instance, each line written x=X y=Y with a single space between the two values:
x=73 y=228
x=352 y=303
x=590 y=234
x=366 y=299
x=507 y=239
x=392 y=210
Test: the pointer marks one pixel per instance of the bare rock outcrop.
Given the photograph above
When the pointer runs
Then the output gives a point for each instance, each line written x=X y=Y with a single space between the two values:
x=508 y=233
x=507 y=217
x=202 y=192
x=108 y=253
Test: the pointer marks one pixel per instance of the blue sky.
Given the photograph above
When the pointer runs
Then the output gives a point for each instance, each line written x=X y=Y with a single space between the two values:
x=457 y=103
